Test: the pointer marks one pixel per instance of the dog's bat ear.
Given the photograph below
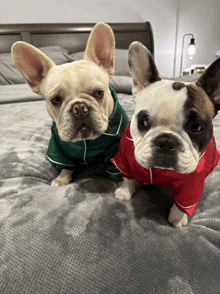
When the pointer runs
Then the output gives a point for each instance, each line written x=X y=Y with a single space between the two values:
x=32 y=64
x=210 y=82
x=142 y=67
x=100 y=47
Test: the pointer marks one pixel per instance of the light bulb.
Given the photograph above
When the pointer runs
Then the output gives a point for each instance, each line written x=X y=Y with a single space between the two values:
x=191 y=50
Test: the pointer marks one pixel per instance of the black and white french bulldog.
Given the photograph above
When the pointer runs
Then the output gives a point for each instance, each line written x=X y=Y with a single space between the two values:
x=169 y=140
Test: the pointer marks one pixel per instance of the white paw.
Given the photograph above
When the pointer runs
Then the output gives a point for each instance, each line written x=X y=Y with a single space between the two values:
x=60 y=182
x=177 y=218
x=64 y=178
x=123 y=193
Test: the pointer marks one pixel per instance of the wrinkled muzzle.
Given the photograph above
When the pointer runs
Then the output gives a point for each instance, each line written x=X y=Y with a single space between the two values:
x=82 y=120
x=167 y=151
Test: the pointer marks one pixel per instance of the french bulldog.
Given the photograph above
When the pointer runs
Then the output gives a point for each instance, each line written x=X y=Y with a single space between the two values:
x=87 y=119
x=169 y=140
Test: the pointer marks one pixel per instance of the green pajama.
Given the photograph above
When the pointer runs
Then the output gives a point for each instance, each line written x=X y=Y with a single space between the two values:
x=78 y=155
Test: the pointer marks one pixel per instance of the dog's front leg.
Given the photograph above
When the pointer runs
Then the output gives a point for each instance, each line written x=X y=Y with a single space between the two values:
x=64 y=178
x=126 y=190
x=177 y=218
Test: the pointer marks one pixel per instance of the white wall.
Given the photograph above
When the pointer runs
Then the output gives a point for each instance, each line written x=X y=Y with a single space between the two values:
x=202 y=19
x=59 y=11
x=198 y=17
x=162 y=16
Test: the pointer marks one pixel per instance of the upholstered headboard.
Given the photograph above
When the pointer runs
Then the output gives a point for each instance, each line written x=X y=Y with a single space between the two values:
x=72 y=37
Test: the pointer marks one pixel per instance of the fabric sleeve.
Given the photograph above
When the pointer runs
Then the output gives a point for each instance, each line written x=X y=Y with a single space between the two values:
x=55 y=153
x=110 y=168
x=120 y=159
x=187 y=192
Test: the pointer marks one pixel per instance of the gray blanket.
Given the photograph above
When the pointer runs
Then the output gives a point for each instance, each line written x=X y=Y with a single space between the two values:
x=79 y=239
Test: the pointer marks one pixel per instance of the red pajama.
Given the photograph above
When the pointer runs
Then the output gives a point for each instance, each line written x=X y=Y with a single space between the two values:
x=187 y=188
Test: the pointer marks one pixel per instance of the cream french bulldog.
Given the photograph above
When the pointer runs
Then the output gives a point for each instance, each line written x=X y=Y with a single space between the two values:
x=87 y=118
x=169 y=141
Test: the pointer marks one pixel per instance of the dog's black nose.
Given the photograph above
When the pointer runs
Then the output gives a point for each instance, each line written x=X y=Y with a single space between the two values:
x=166 y=142
x=80 y=108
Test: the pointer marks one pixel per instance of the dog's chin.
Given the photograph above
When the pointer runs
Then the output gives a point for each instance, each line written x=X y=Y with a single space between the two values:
x=150 y=164
x=187 y=169
x=85 y=133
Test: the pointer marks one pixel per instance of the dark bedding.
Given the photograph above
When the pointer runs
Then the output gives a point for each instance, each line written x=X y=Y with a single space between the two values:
x=78 y=238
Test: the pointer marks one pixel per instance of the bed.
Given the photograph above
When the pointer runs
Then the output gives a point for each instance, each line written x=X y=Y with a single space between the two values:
x=78 y=238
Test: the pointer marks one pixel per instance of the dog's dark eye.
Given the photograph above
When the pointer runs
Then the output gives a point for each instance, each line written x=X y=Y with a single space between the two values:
x=143 y=121
x=56 y=101
x=195 y=128
x=195 y=124
x=98 y=94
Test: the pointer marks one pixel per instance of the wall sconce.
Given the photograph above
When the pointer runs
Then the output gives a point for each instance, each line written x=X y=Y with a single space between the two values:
x=191 y=49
